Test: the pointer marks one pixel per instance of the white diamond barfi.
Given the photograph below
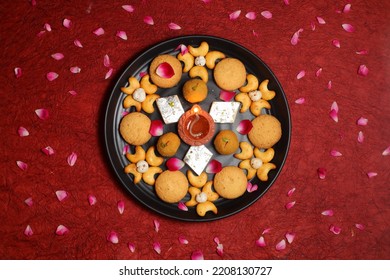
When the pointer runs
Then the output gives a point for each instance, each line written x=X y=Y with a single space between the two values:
x=224 y=112
x=197 y=158
x=170 y=108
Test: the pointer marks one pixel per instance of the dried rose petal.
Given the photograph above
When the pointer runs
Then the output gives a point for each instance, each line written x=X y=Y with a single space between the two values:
x=51 y=76
x=251 y=15
x=362 y=121
x=197 y=255
x=360 y=226
x=286 y=2
x=122 y=35
x=156 y=225
x=234 y=15
x=156 y=128
x=335 y=153
x=183 y=49
x=290 y=205
x=226 y=95
x=281 y=245
x=321 y=173
x=313 y=26
x=165 y=70
x=335 y=229
x=295 y=37
x=386 y=151
x=98 y=32
x=113 y=237
x=183 y=240
x=174 y=164
x=371 y=174
x=29 y=201
x=23 y=132
x=62 y=230
x=216 y=240
x=266 y=14
x=121 y=206
x=360 y=138
x=260 y=242
x=128 y=8
x=301 y=74
x=290 y=192
x=334 y=110
x=336 y=43
x=255 y=33
x=57 y=56
x=363 y=70
x=108 y=74
x=321 y=20
x=267 y=230
x=329 y=85
x=182 y=206
x=77 y=43
x=174 y=26
x=62 y=195
x=47 y=27
x=347 y=27
x=157 y=247
x=43 y=114
x=28 y=231
x=214 y=166
x=244 y=127
x=149 y=20
x=290 y=237
x=327 y=213
x=300 y=100
x=75 y=69
x=92 y=199
x=22 y=165
x=18 y=72
x=49 y=151
x=362 y=52
x=106 y=61
x=251 y=188
x=72 y=92
x=220 y=249
x=347 y=8
x=142 y=74
x=72 y=158
x=67 y=23
x=131 y=247
x=319 y=71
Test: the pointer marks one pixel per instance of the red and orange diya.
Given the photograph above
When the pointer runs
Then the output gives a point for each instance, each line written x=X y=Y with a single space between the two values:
x=196 y=127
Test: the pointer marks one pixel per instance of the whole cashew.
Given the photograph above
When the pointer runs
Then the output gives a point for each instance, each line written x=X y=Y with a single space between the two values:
x=212 y=57
x=202 y=50
x=262 y=172
x=245 y=101
x=193 y=192
x=148 y=176
x=211 y=195
x=129 y=102
x=257 y=106
x=147 y=85
x=151 y=157
x=265 y=156
x=252 y=83
x=204 y=207
x=133 y=85
x=266 y=93
x=138 y=155
x=132 y=169
x=196 y=181
x=147 y=105
x=199 y=71
x=246 y=151
x=188 y=61
x=246 y=165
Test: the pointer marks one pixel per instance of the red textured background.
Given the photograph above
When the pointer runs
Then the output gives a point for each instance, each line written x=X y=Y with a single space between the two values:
x=74 y=122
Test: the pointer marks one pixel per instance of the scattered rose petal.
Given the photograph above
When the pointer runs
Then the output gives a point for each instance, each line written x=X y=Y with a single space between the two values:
x=226 y=95
x=174 y=164
x=18 y=72
x=321 y=173
x=122 y=35
x=363 y=70
x=72 y=158
x=206 y=1
x=313 y=26
x=267 y=230
x=336 y=43
x=295 y=37
x=335 y=229
x=92 y=199
x=183 y=240
x=57 y=56
x=128 y=8
x=22 y=165
x=220 y=249
x=362 y=52
x=244 y=127
x=347 y=27
x=149 y=20
x=251 y=15
x=234 y=15
x=43 y=114
x=126 y=149
x=360 y=226
x=319 y=71
x=106 y=60
x=49 y=151
x=109 y=73
x=121 y=206
x=362 y=121
x=174 y=26
x=334 y=110
x=290 y=192
x=183 y=49
x=290 y=237
x=40 y=33
x=281 y=245
x=266 y=14
x=165 y=70
x=156 y=225
x=329 y=85
x=67 y=23
x=62 y=230
x=327 y=213
x=290 y=205
x=72 y=92
x=113 y=237
x=131 y=247
x=260 y=242
x=98 y=32
x=29 y=201
x=386 y=151
x=335 y=153
x=214 y=166
x=360 y=138
x=197 y=255
x=321 y=20
x=251 y=188
x=301 y=74
x=286 y=2
x=157 y=247
x=77 y=43
x=28 y=231
x=182 y=206
x=142 y=74
x=23 y=132
x=347 y=8
x=75 y=69
x=371 y=174
x=51 y=76
x=33 y=3
x=300 y=100
x=156 y=128
x=62 y=195
x=216 y=240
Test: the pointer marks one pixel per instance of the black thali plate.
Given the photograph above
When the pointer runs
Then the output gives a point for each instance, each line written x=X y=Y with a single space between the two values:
x=115 y=144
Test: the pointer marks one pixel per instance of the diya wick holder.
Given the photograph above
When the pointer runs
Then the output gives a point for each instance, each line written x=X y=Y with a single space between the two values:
x=196 y=127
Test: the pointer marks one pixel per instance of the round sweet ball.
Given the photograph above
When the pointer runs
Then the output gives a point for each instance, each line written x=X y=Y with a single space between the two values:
x=195 y=90
x=161 y=81
x=230 y=182
x=226 y=142
x=266 y=131
x=168 y=144
x=171 y=186
x=134 y=128
x=230 y=74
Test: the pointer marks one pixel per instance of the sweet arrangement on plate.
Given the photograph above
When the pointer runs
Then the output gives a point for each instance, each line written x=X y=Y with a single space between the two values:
x=182 y=137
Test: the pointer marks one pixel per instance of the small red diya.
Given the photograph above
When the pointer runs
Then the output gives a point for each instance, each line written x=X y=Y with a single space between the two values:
x=196 y=127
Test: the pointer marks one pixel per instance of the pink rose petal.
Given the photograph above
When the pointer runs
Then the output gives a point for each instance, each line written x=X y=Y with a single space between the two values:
x=41 y=33
x=226 y=95
x=92 y=199
x=122 y=35
x=22 y=165
x=281 y=245
x=182 y=206
x=157 y=247
x=165 y=70
x=174 y=26
x=363 y=70
x=67 y=23
x=72 y=92
x=327 y=213
x=347 y=8
x=156 y=225
x=49 y=151
x=336 y=43
x=295 y=37
x=23 y=132
x=109 y=73
x=251 y=188
x=321 y=173
x=183 y=49
x=220 y=250
x=33 y=3
x=18 y=72
x=333 y=115
x=234 y=15
x=329 y=85
x=335 y=229
x=149 y=20
x=286 y=2
x=62 y=195
x=142 y=74
x=75 y=69
x=313 y=26
x=51 y=76
x=300 y=101
x=386 y=151
x=121 y=206
x=113 y=237
x=290 y=192
x=254 y=33
x=301 y=74
x=290 y=237
x=265 y=231
x=266 y=14
x=335 y=153
x=98 y=32
x=290 y=205
x=197 y=255
x=72 y=158
x=371 y=174
x=131 y=247
x=216 y=240
x=206 y=1
x=360 y=138
x=156 y=128
x=43 y=114
x=362 y=52
x=362 y=121
x=319 y=71
x=244 y=127
x=106 y=61
x=360 y=226
x=29 y=201
x=214 y=167
x=126 y=149
x=28 y=231
x=321 y=20
x=57 y=56
x=183 y=240
x=348 y=27
x=251 y=15
x=260 y=242
x=62 y=230
x=174 y=164
x=128 y=8
x=77 y=43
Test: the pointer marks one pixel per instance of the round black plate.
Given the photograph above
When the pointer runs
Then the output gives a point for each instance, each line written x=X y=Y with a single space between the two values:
x=115 y=144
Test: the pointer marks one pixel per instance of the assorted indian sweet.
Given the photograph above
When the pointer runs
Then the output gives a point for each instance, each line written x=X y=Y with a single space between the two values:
x=198 y=179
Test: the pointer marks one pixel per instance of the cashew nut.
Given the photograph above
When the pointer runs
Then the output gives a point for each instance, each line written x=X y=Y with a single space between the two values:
x=196 y=181
x=129 y=102
x=212 y=57
x=245 y=101
x=148 y=176
x=204 y=207
x=252 y=83
x=262 y=172
x=199 y=71
x=188 y=61
x=151 y=157
x=132 y=169
x=266 y=93
x=265 y=156
x=133 y=85
x=147 y=85
x=257 y=106
x=202 y=50
x=138 y=155
x=211 y=195
x=193 y=192
x=246 y=151
x=246 y=165
x=147 y=105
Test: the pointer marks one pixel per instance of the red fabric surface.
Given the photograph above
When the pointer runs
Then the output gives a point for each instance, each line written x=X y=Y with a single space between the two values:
x=74 y=124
